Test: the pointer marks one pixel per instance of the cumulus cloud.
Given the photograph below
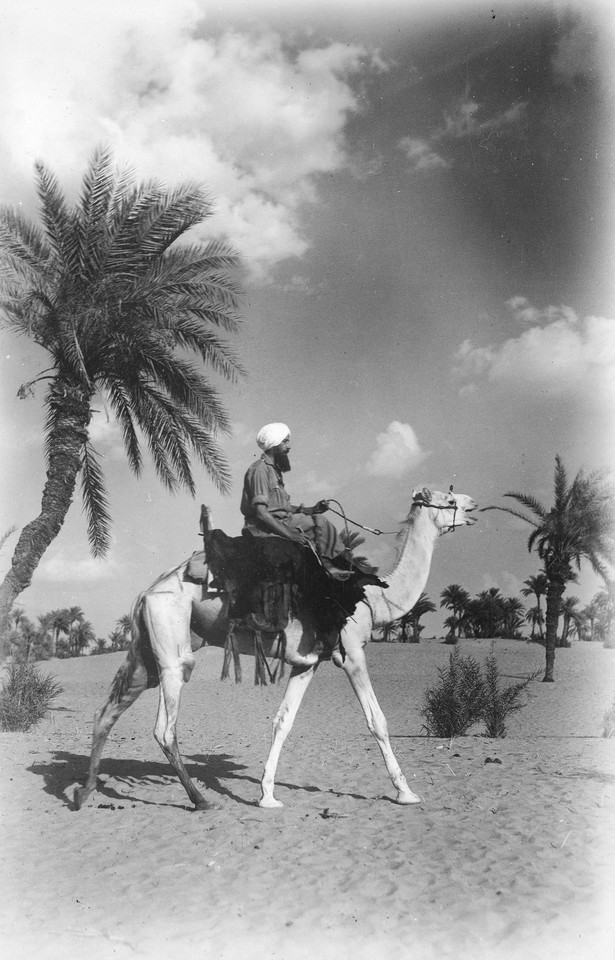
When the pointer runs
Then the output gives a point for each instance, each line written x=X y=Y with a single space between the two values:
x=240 y=111
x=559 y=354
x=397 y=451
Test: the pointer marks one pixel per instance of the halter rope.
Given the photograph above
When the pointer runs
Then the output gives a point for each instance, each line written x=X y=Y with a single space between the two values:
x=415 y=503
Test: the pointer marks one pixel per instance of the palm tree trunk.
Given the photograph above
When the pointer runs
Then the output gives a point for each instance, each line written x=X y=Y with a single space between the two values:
x=555 y=592
x=71 y=410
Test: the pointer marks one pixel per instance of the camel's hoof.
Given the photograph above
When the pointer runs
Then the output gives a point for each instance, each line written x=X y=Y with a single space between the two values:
x=270 y=803
x=203 y=804
x=79 y=796
x=406 y=799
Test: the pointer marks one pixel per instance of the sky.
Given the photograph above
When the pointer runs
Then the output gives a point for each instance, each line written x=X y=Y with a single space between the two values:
x=421 y=196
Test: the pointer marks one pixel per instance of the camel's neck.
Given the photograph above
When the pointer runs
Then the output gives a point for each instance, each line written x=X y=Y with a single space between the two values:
x=407 y=580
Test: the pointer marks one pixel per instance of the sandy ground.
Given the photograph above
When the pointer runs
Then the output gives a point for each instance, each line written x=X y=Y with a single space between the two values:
x=501 y=861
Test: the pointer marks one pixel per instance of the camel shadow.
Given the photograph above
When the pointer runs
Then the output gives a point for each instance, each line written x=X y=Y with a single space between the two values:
x=301 y=788
x=66 y=769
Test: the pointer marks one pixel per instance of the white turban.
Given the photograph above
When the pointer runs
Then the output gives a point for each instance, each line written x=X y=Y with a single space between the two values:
x=271 y=435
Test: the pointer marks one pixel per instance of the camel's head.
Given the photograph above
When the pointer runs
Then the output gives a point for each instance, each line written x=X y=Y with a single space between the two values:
x=447 y=510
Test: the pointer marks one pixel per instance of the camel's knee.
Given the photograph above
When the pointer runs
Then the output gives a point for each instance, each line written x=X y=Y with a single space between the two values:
x=187 y=666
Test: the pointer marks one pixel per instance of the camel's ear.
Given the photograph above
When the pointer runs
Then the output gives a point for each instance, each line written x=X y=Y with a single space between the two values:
x=426 y=494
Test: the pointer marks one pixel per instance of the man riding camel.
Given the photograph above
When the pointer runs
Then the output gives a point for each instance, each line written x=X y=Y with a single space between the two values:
x=267 y=509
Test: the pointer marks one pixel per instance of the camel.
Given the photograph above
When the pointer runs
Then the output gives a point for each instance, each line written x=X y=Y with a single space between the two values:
x=174 y=617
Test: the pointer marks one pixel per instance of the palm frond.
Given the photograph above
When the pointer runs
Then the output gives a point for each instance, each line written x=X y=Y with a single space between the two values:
x=23 y=244
x=513 y=513
x=55 y=215
x=529 y=502
x=95 y=503
x=122 y=409
x=560 y=484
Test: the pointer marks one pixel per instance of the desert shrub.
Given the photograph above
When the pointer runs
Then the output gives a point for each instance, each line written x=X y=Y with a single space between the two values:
x=457 y=701
x=499 y=703
x=608 y=722
x=26 y=696
x=466 y=694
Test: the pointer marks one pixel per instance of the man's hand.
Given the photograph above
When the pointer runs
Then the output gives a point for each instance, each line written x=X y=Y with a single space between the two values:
x=298 y=536
x=321 y=507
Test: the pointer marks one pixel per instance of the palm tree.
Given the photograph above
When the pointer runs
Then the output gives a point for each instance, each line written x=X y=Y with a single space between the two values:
x=454 y=598
x=579 y=526
x=590 y=615
x=422 y=606
x=536 y=587
x=536 y=618
x=83 y=637
x=60 y=623
x=123 y=312
x=570 y=613
x=603 y=605
x=489 y=612
x=512 y=610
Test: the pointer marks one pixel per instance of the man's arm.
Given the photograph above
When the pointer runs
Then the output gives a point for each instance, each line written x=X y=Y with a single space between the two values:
x=268 y=521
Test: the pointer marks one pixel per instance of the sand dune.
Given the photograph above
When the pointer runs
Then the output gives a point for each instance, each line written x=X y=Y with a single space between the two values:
x=511 y=860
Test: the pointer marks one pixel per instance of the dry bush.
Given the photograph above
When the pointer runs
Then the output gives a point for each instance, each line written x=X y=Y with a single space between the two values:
x=26 y=696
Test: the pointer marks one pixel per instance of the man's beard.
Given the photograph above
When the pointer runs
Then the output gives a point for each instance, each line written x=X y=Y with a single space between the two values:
x=281 y=461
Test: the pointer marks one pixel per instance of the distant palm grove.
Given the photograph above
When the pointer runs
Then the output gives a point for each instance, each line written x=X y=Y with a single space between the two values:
x=67 y=633
x=126 y=314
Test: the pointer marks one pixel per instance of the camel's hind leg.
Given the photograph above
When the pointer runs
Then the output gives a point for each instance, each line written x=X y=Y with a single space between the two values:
x=298 y=683
x=355 y=667
x=166 y=615
x=130 y=681
x=165 y=732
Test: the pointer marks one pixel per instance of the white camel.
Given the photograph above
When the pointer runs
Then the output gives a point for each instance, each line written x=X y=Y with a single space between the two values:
x=174 y=617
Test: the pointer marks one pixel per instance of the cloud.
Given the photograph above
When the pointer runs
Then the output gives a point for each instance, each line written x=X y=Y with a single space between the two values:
x=468 y=119
x=397 y=451
x=253 y=119
x=106 y=437
x=61 y=568
x=421 y=155
x=559 y=354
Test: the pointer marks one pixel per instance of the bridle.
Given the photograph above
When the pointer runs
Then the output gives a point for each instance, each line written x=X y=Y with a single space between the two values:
x=418 y=502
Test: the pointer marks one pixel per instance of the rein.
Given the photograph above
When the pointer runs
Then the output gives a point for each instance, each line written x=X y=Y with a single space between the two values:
x=389 y=533
x=355 y=523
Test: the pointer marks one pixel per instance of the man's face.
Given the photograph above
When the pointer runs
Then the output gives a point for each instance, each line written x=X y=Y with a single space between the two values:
x=280 y=455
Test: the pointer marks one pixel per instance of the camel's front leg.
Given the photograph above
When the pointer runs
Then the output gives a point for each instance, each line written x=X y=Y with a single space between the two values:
x=298 y=683
x=355 y=667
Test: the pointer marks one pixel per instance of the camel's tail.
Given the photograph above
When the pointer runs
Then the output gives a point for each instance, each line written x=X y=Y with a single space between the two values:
x=139 y=653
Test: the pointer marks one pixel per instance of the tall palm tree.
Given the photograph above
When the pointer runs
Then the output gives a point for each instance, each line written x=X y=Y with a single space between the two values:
x=127 y=314
x=454 y=598
x=579 y=526
x=536 y=587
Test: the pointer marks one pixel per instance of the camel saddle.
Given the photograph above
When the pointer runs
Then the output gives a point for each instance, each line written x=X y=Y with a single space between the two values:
x=268 y=580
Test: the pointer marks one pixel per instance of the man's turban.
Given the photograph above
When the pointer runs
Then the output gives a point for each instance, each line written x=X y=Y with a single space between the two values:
x=271 y=435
